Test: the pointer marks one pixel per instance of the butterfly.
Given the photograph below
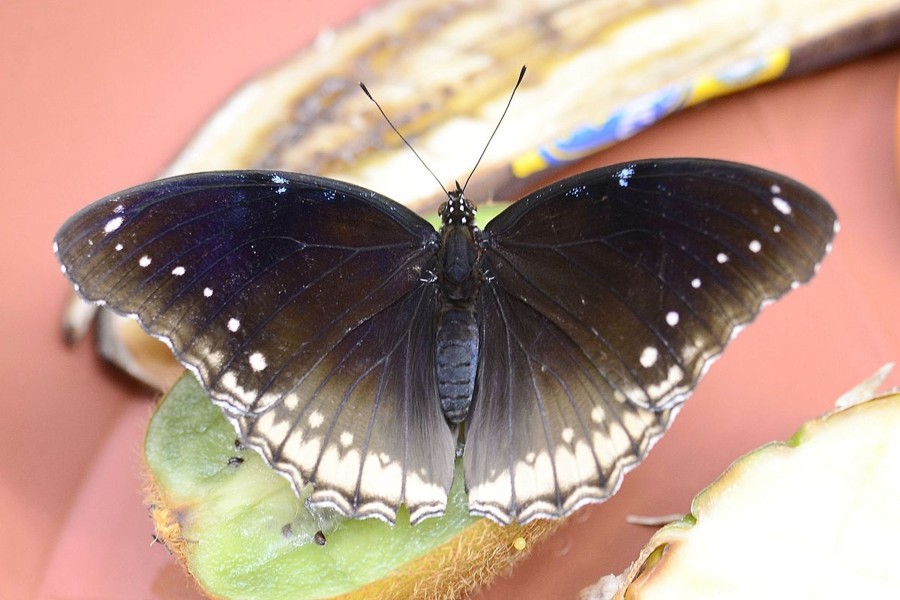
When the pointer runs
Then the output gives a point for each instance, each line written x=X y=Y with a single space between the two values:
x=359 y=350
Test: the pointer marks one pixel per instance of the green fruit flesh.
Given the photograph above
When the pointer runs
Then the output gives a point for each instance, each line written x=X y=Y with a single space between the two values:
x=243 y=533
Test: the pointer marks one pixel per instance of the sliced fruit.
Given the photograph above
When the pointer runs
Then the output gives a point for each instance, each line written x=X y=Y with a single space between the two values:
x=238 y=528
x=817 y=516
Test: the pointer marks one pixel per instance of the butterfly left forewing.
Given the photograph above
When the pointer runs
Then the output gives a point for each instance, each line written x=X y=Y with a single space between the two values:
x=299 y=302
x=609 y=294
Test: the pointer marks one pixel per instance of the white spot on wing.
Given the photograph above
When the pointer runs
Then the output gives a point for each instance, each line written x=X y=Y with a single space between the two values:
x=649 y=356
x=112 y=224
x=696 y=283
x=755 y=246
x=782 y=205
x=672 y=318
x=291 y=401
x=230 y=383
x=316 y=419
x=178 y=271
x=258 y=361
x=568 y=435
x=346 y=439
x=665 y=388
x=119 y=209
x=207 y=292
x=276 y=178
x=145 y=261
x=775 y=189
x=598 y=414
x=281 y=190
x=233 y=324
x=721 y=258
x=624 y=175
x=776 y=228
x=576 y=191
x=274 y=430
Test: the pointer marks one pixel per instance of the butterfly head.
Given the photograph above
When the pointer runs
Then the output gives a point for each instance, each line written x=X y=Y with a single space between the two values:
x=457 y=210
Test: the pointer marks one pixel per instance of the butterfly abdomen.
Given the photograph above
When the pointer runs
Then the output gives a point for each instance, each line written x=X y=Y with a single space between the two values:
x=457 y=360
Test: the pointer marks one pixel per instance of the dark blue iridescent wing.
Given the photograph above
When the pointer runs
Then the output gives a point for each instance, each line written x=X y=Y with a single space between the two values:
x=304 y=305
x=606 y=297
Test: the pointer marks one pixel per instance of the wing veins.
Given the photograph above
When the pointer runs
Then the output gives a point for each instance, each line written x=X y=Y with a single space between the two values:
x=590 y=375
x=709 y=234
x=379 y=363
x=322 y=330
x=613 y=351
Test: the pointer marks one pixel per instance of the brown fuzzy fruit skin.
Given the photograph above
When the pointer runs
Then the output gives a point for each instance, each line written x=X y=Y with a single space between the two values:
x=165 y=522
x=462 y=565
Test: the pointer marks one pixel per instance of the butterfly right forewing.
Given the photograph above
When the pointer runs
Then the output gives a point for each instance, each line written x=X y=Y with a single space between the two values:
x=608 y=295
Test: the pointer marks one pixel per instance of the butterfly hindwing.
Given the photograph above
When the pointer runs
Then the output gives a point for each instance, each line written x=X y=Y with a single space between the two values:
x=359 y=425
x=304 y=305
x=608 y=295
x=552 y=431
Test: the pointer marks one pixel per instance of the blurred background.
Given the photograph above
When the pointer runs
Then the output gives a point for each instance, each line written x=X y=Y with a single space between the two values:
x=98 y=96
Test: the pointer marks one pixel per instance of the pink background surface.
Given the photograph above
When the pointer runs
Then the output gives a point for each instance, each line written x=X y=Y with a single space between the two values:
x=98 y=95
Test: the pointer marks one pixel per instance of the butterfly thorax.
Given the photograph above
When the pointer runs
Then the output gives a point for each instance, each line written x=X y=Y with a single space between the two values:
x=457 y=334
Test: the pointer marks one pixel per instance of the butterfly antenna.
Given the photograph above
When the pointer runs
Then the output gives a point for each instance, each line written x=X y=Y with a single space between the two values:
x=508 y=102
x=408 y=145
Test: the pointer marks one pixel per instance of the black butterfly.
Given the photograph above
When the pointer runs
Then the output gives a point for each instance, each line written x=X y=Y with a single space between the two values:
x=350 y=343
